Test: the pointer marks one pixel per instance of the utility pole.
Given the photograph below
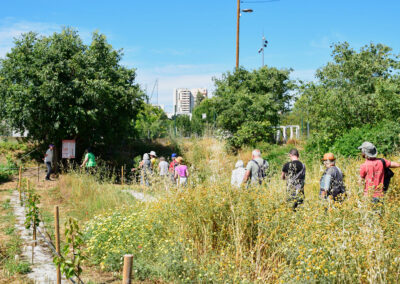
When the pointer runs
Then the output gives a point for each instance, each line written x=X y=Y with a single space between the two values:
x=237 y=34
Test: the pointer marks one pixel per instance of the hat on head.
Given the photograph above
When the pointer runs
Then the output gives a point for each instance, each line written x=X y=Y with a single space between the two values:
x=239 y=164
x=329 y=156
x=146 y=156
x=174 y=155
x=51 y=145
x=152 y=153
x=368 y=149
x=179 y=159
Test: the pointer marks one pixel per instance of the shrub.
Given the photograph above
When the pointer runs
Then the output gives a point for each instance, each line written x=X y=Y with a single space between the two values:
x=385 y=136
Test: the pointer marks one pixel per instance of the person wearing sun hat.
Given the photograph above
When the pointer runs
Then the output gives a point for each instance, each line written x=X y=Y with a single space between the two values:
x=331 y=183
x=153 y=159
x=372 y=171
x=181 y=172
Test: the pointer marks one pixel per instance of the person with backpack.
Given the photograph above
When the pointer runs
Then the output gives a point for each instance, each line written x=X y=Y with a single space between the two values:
x=256 y=169
x=172 y=165
x=181 y=173
x=331 y=183
x=294 y=172
x=375 y=172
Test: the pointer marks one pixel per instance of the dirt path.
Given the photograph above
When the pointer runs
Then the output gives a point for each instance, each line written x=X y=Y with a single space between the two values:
x=141 y=196
x=43 y=269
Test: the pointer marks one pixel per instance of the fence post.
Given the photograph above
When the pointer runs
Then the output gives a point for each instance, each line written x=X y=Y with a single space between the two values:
x=57 y=234
x=122 y=175
x=38 y=170
x=19 y=182
x=127 y=272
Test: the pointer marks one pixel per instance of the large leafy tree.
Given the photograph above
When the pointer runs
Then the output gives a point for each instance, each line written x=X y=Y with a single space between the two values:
x=56 y=87
x=357 y=88
x=249 y=103
x=152 y=122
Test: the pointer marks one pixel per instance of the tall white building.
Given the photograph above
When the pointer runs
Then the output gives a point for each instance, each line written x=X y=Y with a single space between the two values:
x=185 y=99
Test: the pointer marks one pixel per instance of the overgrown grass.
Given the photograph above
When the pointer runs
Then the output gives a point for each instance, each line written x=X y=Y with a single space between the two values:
x=211 y=233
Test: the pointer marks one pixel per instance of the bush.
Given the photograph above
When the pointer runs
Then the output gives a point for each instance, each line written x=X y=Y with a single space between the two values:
x=385 y=136
x=251 y=132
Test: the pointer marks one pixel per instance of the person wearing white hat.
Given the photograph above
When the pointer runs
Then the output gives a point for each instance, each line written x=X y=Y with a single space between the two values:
x=375 y=172
x=153 y=159
x=238 y=174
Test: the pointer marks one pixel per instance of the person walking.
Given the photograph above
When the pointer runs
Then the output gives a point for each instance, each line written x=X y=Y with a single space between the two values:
x=172 y=165
x=372 y=172
x=48 y=160
x=89 y=163
x=238 y=174
x=256 y=169
x=294 y=172
x=181 y=172
x=163 y=167
x=153 y=159
x=331 y=183
x=146 y=170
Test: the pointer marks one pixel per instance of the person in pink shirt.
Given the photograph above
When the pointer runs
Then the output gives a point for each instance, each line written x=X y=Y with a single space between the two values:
x=373 y=171
x=181 y=172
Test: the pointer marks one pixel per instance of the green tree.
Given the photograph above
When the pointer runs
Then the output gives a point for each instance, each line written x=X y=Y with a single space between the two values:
x=244 y=99
x=199 y=123
x=56 y=87
x=199 y=98
x=356 y=89
x=151 y=122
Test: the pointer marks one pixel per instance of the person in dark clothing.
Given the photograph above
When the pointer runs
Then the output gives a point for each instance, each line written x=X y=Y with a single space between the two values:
x=331 y=183
x=294 y=172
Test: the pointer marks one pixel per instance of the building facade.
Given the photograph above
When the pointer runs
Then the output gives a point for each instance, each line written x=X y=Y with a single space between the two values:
x=185 y=99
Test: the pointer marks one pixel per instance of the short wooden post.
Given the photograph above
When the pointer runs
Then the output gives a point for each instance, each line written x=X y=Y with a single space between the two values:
x=122 y=175
x=57 y=233
x=127 y=272
x=38 y=172
x=34 y=234
x=19 y=182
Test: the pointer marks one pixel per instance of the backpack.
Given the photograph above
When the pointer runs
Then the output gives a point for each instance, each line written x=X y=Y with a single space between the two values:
x=262 y=170
x=388 y=174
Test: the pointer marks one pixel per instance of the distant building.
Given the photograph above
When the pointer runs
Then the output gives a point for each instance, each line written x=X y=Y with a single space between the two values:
x=185 y=99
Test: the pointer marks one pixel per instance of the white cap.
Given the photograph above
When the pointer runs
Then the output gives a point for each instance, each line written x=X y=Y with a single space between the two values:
x=239 y=164
x=152 y=153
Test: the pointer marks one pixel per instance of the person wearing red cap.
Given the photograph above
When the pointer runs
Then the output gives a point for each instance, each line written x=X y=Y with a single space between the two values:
x=331 y=183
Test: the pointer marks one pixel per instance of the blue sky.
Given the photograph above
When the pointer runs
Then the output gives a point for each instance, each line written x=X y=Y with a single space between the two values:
x=186 y=43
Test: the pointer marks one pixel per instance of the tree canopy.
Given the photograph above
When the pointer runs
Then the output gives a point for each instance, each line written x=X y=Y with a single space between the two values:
x=249 y=103
x=56 y=87
x=357 y=88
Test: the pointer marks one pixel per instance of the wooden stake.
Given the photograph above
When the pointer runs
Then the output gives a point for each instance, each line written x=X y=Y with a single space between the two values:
x=127 y=272
x=19 y=182
x=38 y=170
x=34 y=235
x=122 y=175
x=57 y=233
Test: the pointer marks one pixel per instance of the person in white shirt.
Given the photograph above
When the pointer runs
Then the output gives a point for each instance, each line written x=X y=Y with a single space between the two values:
x=48 y=160
x=238 y=174
x=163 y=167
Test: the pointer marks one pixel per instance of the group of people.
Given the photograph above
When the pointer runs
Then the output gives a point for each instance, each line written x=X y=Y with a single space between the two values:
x=175 y=171
x=89 y=161
x=375 y=174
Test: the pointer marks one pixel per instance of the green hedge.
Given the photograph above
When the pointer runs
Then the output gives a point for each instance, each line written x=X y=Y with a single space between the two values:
x=385 y=136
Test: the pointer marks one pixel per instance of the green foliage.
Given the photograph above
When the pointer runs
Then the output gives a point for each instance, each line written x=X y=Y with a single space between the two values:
x=8 y=170
x=385 y=136
x=243 y=99
x=183 y=125
x=151 y=122
x=32 y=214
x=356 y=89
x=71 y=259
x=251 y=132
x=199 y=124
x=56 y=87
